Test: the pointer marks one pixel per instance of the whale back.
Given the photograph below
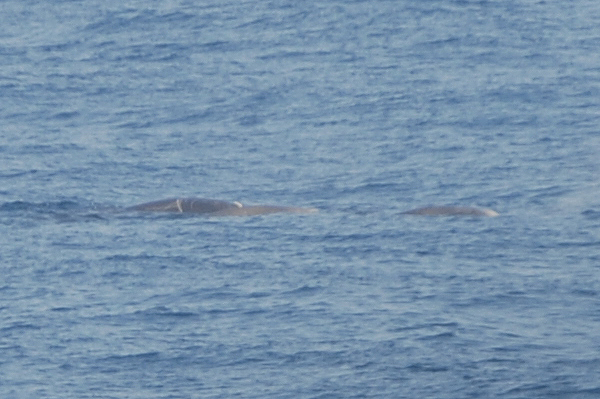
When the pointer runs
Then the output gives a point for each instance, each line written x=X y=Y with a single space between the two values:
x=252 y=210
x=186 y=205
x=211 y=207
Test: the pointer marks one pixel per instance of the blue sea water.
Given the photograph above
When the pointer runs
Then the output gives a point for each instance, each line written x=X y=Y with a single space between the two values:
x=363 y=109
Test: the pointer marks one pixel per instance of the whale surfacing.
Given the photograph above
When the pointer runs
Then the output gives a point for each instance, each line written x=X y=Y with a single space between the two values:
x=211 y=207
x=452 y=211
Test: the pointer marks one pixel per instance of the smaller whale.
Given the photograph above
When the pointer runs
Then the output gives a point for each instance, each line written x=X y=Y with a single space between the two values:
x=452 y=211
x=211 y=207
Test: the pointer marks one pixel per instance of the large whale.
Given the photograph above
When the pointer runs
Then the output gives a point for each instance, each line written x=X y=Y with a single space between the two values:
x=452 y=211
x=211 y=207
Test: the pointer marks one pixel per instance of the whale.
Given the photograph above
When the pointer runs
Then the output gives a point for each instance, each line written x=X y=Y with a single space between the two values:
x=213 y=207
x=452 y=211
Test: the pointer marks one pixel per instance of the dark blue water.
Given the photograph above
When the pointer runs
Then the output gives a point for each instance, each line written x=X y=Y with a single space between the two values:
x=363 y=109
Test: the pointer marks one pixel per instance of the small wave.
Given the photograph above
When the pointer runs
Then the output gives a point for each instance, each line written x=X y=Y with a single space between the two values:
x=427 y=367
x=163 y=311
x=20 y=206
x=591 y=214
x=60 y=211
x=16 y=174
x=134 y=357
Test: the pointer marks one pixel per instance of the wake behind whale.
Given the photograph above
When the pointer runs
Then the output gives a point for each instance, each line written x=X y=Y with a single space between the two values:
x=452 y=211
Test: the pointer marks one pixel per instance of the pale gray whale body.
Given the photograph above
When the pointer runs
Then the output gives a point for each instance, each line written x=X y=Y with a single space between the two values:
x=452 y=211
x=211 y=207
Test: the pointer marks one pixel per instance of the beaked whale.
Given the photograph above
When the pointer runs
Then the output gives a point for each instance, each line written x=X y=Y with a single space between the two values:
x=211 y=207
x=452 y=211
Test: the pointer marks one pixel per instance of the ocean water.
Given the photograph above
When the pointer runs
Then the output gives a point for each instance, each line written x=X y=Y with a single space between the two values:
x=363 y=109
